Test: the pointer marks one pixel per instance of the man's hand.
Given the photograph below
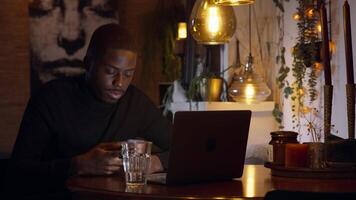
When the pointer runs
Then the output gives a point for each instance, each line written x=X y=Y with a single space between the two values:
x=101 y=160
x=155 y=165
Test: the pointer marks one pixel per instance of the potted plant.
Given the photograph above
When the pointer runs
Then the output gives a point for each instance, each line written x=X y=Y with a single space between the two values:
x=207 y=85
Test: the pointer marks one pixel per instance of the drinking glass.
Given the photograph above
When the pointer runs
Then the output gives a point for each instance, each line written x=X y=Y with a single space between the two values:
x=136 y=156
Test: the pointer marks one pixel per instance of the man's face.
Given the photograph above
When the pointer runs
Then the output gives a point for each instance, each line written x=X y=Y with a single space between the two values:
x=60 y=31
x=111 y=76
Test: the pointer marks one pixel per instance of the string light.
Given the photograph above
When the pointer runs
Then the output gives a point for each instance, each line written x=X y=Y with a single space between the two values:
x=318 y=27
x=310 y=13
x=296 y=16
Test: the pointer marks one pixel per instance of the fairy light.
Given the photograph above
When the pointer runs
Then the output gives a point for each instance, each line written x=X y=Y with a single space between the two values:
x=318 y=27
x=310 y=13
x=318 y=66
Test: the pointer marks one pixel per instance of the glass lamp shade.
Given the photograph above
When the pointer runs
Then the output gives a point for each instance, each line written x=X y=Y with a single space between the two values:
x=212 y=24
x=233 y=2
x=248 y=86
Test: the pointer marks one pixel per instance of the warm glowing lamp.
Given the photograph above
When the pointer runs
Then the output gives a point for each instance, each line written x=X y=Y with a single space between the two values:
x=212 y=24
x=248 y=86
x=182 y=30
x=233 y=2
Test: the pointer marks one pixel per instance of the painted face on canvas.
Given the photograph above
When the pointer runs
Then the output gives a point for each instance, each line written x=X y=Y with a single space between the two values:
x=60 y=31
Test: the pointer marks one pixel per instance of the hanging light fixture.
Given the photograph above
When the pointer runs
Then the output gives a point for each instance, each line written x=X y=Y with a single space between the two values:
x=212 y=24
x=248 y=86
x=233 y=2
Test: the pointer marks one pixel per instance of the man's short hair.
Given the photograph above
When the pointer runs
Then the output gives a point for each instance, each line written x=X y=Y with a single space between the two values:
x=108 y=36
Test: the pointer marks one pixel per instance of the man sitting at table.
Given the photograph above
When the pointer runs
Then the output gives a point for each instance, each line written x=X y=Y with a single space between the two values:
x=73 y=126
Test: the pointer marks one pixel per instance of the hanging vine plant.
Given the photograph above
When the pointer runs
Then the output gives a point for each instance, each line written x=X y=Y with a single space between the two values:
x=305 y=66
x=305 y=52
x=305 y=56
x=283 y=70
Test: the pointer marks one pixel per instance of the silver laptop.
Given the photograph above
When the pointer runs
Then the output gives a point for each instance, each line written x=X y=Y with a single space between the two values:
x=206 y=146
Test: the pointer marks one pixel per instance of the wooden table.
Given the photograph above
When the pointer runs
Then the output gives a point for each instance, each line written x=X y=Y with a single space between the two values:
x=254 y=184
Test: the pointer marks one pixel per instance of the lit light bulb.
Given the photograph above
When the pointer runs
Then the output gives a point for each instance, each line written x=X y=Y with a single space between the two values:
x=213 y=20
x=250 y=91
x=296 y=16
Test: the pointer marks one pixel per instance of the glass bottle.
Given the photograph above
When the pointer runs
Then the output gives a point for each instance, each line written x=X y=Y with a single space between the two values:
x=277 y=145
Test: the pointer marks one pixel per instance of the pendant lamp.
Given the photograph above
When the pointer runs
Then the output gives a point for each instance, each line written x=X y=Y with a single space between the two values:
x=248 y=86
x=212 y=24
x=233 y=2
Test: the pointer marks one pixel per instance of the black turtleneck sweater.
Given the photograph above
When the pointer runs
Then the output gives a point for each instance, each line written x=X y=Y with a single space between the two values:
x=65 y=119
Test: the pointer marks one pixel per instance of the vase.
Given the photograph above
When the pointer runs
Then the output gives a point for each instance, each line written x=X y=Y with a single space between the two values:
x=316 y=155
x=276 y=150
x=210 y=89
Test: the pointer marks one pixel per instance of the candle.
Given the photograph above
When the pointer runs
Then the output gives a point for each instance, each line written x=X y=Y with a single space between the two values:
x=326 y=52
x=296 y=155
x=348 y=44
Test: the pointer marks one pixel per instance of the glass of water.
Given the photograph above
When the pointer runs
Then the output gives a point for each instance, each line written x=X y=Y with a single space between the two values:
x=136 y=158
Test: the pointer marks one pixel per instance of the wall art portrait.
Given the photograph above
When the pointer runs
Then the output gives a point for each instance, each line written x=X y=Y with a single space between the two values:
x=60 y=31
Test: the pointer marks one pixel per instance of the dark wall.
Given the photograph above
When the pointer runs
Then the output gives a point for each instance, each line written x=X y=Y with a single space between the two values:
x=14 y=61
x=134 y=15
x=14 y=70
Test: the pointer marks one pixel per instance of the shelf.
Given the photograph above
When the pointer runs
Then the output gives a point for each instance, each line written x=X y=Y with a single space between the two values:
x=266 y=106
